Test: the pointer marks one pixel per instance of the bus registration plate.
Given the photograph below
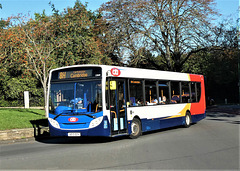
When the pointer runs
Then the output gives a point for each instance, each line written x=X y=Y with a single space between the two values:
x=74 y=134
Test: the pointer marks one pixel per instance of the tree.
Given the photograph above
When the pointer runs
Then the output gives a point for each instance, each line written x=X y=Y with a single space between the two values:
x=77 y=25
x=171 y=29
x=105 y=44
x=47 y=42
x=38 y=42
x=220 y=65
x=14 y=76
x=143 y=58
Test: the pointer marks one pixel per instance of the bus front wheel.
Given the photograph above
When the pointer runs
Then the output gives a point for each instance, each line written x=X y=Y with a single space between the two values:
x=136 y=129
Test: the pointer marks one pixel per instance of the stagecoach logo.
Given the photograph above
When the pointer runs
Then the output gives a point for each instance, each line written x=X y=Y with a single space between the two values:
x=73 y=119
x=115 y=72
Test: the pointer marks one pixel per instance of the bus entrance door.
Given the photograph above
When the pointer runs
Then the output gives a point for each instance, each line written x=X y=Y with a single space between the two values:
x=118 y=106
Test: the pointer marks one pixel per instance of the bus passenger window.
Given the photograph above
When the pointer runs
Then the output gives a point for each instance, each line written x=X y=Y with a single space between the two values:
x=163 y=92
x=185 y=92
x=136 y=93
x=150 y=93
x=175 y=92
x=193 y=92
x=198 y=91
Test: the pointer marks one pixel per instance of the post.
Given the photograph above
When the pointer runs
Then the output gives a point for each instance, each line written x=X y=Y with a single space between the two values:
x=26 y=99
x=226 y=101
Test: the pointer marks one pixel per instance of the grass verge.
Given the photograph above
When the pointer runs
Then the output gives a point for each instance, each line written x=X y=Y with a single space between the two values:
x=19 y=118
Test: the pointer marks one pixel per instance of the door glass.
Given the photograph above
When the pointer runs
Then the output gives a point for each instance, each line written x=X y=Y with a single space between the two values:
x=121 y=105
x=118 y=108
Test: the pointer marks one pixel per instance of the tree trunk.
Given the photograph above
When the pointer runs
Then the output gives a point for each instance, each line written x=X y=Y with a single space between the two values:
x=45 y=98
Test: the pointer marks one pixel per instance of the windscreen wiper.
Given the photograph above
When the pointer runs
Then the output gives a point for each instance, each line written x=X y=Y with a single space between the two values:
x=57 y=116
x=62 y=114
x=89 y=115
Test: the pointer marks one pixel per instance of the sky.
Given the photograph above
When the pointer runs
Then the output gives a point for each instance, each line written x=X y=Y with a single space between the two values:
x=13 y=7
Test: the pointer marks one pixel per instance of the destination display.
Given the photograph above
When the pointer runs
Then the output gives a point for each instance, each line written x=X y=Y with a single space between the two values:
x=74 y=74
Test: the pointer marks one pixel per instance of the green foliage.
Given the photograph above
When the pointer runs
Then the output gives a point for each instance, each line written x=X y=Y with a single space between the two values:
x=143 y=58
x=19 y=118
x=171 y=29
x=3 y=24
x=220 y=71
x=30 y=48
x=12 y=91
x=76 y=25
x=78 y=36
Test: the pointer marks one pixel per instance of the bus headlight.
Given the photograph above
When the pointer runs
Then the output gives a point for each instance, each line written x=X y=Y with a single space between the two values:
x=95 y=122
x=54 y=123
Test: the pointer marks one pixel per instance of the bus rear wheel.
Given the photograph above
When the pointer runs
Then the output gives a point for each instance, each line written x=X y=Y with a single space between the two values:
x=187 y=120
x=136 y=129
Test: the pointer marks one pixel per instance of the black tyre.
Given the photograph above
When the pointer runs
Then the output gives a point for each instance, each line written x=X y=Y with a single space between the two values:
x=136 y=129
x=188 y=120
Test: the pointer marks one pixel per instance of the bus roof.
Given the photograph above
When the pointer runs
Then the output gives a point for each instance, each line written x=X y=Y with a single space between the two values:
x=138 y=73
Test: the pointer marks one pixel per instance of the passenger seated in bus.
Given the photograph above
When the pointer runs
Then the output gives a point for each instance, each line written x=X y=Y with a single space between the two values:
x=139 y=103
x=135 y=102
x=153 y=102
x=175 y=99
x=78 y=102
x=132 y=101
x=185 y=98
x=164 y=100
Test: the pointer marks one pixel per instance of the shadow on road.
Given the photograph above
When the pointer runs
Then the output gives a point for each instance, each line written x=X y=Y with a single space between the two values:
x=41 y=132
x=79 y=140
x=92 y=140
x=223 y=113
x=40 y=128
x=224 y=120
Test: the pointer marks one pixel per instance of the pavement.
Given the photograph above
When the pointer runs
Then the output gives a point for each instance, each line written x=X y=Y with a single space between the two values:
x=40 y=129
x=228 y=109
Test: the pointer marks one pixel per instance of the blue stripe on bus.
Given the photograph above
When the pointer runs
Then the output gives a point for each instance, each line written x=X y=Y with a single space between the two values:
x=196 y=118
x=147 y=125
x=161 y=123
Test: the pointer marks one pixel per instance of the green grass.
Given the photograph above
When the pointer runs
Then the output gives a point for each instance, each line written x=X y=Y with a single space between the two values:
x=19 y=118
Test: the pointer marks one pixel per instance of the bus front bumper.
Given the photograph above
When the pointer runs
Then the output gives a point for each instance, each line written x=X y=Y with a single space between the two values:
x=103 y=129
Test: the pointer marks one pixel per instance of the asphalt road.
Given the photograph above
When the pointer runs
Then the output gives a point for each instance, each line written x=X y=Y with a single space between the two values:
x=212 y=143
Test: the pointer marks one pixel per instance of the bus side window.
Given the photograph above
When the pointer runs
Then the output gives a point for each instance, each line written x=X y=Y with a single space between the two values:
x=136 y=93
x=150 y=93
x=185 y=92
x=175 y=92
x=163 y=92
x=193 y=92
